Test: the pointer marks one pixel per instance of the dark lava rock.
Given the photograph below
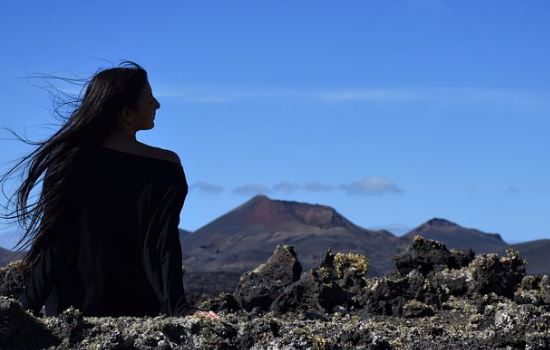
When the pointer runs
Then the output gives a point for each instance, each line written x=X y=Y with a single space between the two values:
x=12 y=317
x=69 y=325
x=451 y=282
x=12 y=279
x=359 y=337
x=20 y=330
x=311 y=315
x=538 y=341
x=339 y=277
x=388 y=295
x=415 y=308
x=259 y=328
x=499 y=275
x=427 y=255
x=258 y=288
x=511 y=323
x=530 y=291
x=437 y=299
x=545 y=289
x=223 y=302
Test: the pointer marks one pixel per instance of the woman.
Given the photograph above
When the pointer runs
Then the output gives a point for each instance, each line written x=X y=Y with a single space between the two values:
x=108 y=239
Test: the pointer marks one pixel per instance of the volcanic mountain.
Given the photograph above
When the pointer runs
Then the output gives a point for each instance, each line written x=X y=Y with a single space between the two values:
x=456 y=236
x=246 y=236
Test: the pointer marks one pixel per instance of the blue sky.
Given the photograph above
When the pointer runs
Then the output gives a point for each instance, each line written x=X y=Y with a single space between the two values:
x=390 y=112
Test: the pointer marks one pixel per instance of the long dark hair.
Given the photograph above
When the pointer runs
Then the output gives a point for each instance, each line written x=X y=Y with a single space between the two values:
x=90 y=120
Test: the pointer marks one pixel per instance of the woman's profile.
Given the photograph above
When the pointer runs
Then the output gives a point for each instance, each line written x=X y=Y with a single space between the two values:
x=103 y=235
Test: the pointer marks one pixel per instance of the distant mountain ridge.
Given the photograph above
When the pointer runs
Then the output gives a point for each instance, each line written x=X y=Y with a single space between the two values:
x=238 y=239
x=7 y=255
x=458 y=237
x=261 y=211
x=245 y=237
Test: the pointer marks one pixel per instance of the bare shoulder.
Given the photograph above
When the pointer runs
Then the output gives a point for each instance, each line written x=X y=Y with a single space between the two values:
x=161 y=153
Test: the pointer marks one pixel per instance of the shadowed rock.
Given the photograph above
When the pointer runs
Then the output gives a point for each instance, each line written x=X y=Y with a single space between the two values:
x=427 y=256
x=222 y=302
x=456 y=302
x=533 y=290
x=258 y=288
x=415 y=308
x=334 y=283
x=20 y=330
x=429 y=273
x=501 y=275
x=11 y=279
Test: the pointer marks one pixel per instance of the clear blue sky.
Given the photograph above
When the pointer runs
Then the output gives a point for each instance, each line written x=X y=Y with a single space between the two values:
x=392 y=112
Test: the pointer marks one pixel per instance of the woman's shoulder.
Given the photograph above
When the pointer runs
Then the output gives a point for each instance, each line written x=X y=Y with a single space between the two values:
x=144 y=151
x=159 y=153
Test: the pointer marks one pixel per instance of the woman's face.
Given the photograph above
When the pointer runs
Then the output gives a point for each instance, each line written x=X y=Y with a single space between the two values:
x=143 y=114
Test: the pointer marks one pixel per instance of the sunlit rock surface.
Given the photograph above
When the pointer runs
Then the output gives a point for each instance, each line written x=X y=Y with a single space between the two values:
x=435 y=299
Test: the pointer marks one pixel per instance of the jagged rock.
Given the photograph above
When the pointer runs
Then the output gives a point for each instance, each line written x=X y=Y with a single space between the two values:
x=489 y=273
x=451 y=281
x=427 y=255
x=12 y=317
x=415 y=308
x=529 y=291
x=339 y=277
x=361 y=337
x=457 y=303
x=223 y=302
x=533 y=290
x=511 y=323
x=537 y=340
x=70 y=326
x=545 y=287
x=20 y=330
x=258 y=288
x=12 y=279
x=388 y=295
x=259 y=327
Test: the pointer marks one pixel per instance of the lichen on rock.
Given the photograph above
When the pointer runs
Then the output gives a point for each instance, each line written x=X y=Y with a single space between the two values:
x=344 y=262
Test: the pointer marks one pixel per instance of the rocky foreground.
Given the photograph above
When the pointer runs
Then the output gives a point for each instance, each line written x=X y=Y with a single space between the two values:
x=435 y=299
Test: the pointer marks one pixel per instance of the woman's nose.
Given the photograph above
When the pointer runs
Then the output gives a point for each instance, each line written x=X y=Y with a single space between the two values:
x=158 y=103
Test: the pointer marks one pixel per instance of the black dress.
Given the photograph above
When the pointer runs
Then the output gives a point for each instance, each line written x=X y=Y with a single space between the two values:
x=116 y=252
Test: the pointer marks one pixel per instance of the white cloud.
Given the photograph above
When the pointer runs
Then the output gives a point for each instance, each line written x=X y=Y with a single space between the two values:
x=287 y=187
x=316 y=186
x=313 y=186
x=219 y=94
x=251 y=190
x=206 y=187
x=372 y=185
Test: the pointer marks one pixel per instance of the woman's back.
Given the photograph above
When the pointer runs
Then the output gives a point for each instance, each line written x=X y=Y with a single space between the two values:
x=116 y=250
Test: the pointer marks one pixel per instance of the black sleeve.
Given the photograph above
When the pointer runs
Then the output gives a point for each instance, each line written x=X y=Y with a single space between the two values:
x=162 y=258
x=40 y=279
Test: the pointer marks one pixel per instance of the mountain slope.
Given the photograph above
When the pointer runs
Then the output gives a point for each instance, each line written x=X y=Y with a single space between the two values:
x=7 y=255
x=536 y=253
x=456 y=236
x=247 y=235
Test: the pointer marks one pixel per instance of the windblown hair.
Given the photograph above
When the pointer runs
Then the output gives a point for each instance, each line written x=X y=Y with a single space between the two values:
x=89 y=121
